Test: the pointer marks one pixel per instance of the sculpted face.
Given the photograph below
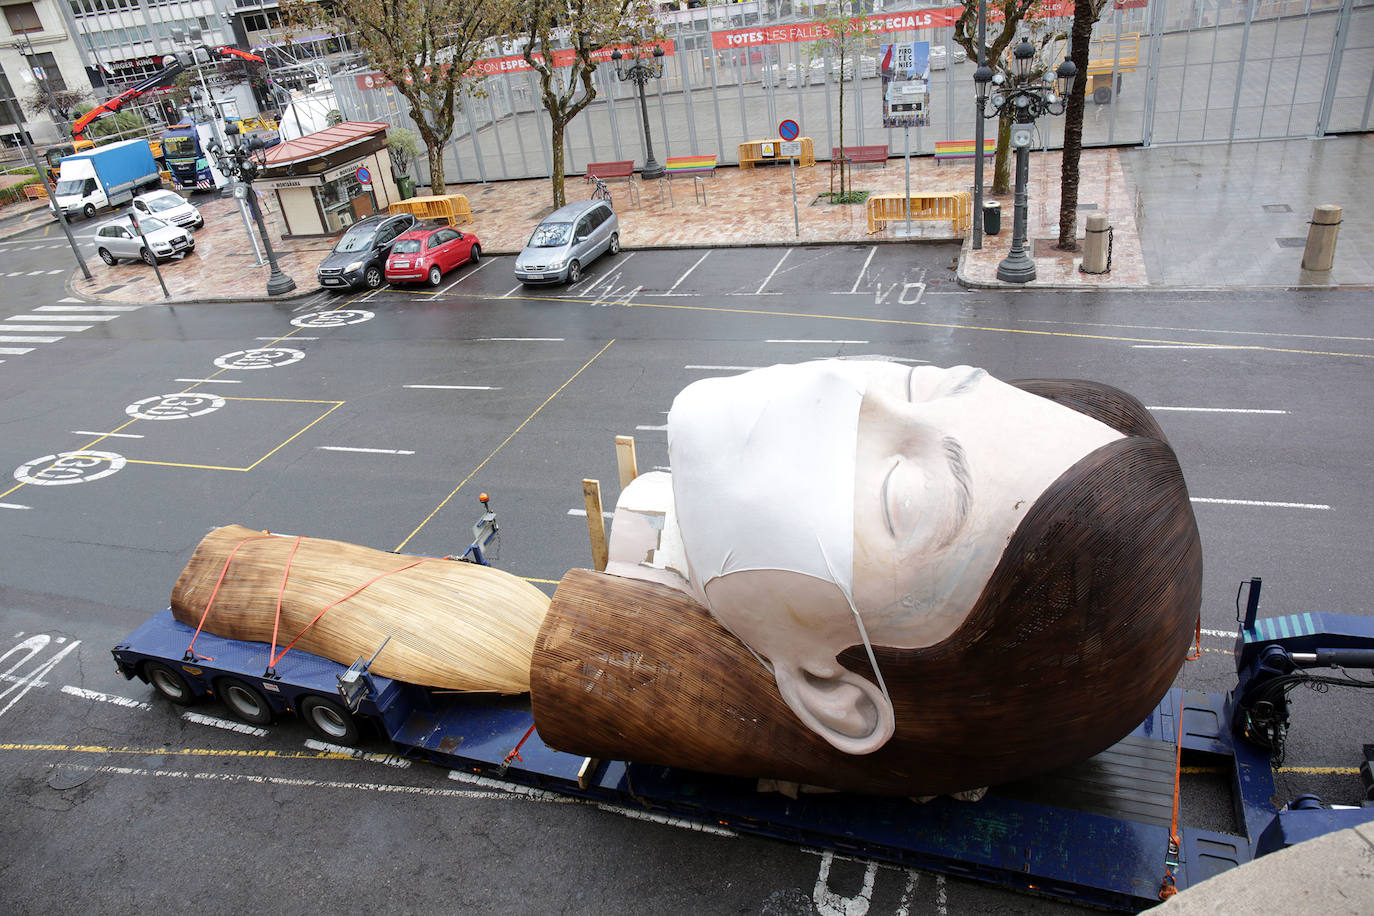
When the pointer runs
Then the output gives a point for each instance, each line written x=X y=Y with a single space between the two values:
x=834 y=504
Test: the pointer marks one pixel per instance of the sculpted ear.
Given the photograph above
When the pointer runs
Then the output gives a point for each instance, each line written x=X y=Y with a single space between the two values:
x=845 y=709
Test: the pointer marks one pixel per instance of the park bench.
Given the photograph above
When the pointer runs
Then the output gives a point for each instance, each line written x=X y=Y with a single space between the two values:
x=955 y=206
x=622 y=169
x=862 y=153
x=962 y=149
x=451 y=208
x=696 y=167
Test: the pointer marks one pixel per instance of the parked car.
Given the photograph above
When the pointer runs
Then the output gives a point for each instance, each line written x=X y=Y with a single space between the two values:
x=170 y=207
x=118 y=239
x=568 y=240
x=359 y=256
x=429 y=253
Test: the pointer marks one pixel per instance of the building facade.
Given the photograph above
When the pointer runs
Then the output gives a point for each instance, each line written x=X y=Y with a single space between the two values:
x=44 y=77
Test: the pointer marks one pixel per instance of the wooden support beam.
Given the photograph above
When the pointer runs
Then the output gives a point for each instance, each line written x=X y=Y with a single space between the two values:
x=625 y=457
x=596 y=525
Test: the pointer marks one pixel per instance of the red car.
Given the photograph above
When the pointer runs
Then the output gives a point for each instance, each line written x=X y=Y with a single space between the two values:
x=429 y=253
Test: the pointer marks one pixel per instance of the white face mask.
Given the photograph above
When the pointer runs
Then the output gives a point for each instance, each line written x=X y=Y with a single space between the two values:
x=833 y=503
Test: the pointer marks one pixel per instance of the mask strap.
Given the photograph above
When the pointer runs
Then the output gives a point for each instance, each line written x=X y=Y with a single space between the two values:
x=863 y=632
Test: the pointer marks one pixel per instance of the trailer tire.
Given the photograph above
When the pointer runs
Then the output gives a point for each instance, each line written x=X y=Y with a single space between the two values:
x=244 y=701
x=329 y=720
x=169 y=682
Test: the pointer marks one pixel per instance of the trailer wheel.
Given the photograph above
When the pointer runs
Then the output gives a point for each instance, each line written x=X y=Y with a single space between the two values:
x=244 y=701
x=169 y=682
x=329 y=720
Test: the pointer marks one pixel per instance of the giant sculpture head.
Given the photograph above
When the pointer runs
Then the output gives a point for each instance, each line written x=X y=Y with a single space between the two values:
x=869 y=576
x=832 y=504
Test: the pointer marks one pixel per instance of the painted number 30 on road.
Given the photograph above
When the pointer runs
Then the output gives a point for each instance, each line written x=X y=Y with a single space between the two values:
x=69 y=467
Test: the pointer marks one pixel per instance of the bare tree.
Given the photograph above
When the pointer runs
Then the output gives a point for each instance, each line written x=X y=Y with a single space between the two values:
x=848 y=34
x=562 y=42
x=426 y=48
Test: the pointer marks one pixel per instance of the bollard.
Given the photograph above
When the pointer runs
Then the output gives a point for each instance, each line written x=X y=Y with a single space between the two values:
x=1320 y=252
x=1095 y=257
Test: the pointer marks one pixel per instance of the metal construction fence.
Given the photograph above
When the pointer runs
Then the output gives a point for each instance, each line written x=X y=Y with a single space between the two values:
x=1163 y=71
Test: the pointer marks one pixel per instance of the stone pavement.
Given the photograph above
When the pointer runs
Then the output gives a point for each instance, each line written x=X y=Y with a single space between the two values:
x=1204 y=216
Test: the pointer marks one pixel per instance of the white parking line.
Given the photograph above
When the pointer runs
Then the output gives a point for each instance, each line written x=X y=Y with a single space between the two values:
x=390 y=760
x=13 y=505
x=863 y=271
x=684 y=277
x=61 y=271
x=651 y=429
x=18 y=339
x=533 y=339
x=286 y=337
x=87 y=432
x=104 y=698
x=15 y=351
x=723 y=368
x=816 y=341
x=1187 y=347
x=215 y=381
x=582 y=513
x=514 y=289
x=456 y=387
x=36 y=273
x=197 y=719
x=1259 y=502
x=759 y=291
x=1217 y=409
x=40 y=328
x=372 y=451
x=463 y=277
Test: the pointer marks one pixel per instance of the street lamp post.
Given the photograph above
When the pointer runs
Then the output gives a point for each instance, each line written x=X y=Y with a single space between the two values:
x=640 y=72
x=1026 y=99
x=243 y=160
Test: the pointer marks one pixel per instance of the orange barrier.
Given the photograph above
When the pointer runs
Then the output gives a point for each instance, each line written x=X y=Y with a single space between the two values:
x=955 y=206
x=451 y=208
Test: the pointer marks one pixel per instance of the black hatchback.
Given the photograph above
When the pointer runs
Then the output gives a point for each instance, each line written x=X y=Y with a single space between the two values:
x=359 y=257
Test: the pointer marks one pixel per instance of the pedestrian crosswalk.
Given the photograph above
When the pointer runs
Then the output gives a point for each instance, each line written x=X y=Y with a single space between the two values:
x=44 y=324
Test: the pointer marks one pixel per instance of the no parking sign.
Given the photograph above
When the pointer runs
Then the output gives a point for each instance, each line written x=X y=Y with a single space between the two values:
x=364 y=176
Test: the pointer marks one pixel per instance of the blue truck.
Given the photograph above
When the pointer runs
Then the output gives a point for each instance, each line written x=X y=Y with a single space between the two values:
x=1102 y=833
x=106 y=176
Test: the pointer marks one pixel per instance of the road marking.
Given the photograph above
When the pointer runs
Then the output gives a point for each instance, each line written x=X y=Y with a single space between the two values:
x=816 y=341
x=853 y=290
x=829 y=903
x=35 y=645
x=15 y=351
x=86 y=308
x=211 y=381
x=372 y=451
x=1218 y=409
x=665 y=820
x=771 y=273
x=39 y=328
x=531 y=339
x=285 y=337
x=1224 y=634
x=1257 y=502
x=214 y=722
x=61 y=317
x=724 y=368
x=518 y=286
x=582 y=513
x=70 y=299
x=36 y=273
x=456 y=387
x=18 y=339
x=684 y=277
x=86 y=432
x=17 y=273
x=62 y=271
x=651 y=429
x=1187 y=347
x=390 y=760
x=105 y=698
x=13 y=506
x=463 y=277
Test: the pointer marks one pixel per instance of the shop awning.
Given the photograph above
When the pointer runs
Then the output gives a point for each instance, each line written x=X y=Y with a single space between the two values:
x=323 y=142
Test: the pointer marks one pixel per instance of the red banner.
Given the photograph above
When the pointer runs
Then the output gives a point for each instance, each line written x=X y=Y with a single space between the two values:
x=516 y=63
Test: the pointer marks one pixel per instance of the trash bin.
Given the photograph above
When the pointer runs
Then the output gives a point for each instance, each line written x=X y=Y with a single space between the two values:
x=992 y=217
x=406 y=185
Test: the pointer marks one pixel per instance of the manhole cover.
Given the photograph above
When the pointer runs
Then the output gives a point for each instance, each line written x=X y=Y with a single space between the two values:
x=1277 y=208
x=1292 y=242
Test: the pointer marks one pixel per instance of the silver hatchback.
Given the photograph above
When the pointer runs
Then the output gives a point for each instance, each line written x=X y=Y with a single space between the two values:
x=567 y=241
x=118 y=239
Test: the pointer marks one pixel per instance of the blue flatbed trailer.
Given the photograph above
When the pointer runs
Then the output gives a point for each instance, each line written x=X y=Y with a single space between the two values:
x=1097 y=833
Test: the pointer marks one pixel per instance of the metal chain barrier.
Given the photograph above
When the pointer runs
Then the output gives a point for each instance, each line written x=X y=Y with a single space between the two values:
x=1111 y=237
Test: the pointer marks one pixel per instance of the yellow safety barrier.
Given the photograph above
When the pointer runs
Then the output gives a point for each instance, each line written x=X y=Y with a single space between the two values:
x=451 y=208
x=955 y=206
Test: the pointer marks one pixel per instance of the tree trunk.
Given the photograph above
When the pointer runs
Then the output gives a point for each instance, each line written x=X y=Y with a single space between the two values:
x=556 y=130
x=1083 y=18
x=1001 y=168
x=436 y=167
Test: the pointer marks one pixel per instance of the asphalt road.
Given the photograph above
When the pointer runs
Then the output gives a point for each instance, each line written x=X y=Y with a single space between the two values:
x=378 y=419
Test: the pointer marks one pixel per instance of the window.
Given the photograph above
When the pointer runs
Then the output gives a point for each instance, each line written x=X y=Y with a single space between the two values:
x=22 y=17
x=51 y=74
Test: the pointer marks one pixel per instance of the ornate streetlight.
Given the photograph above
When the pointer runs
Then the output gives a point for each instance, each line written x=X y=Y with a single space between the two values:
x=641 y=72
x=1027 y=98
x=243 y=161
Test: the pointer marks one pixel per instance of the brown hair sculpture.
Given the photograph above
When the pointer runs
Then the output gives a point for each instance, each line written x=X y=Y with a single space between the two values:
x=1076 y=634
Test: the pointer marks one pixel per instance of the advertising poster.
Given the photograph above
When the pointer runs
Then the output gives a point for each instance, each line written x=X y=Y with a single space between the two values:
x=905 y=71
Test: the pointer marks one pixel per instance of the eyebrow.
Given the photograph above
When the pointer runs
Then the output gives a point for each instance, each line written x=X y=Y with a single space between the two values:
x=967 y=383
x=958 y=469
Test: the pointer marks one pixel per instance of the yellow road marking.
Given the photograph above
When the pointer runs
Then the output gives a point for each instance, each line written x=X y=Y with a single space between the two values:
x=498 y=448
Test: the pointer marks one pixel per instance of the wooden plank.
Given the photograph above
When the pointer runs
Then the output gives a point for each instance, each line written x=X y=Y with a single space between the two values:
x=625 y=458
x=596 y=525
